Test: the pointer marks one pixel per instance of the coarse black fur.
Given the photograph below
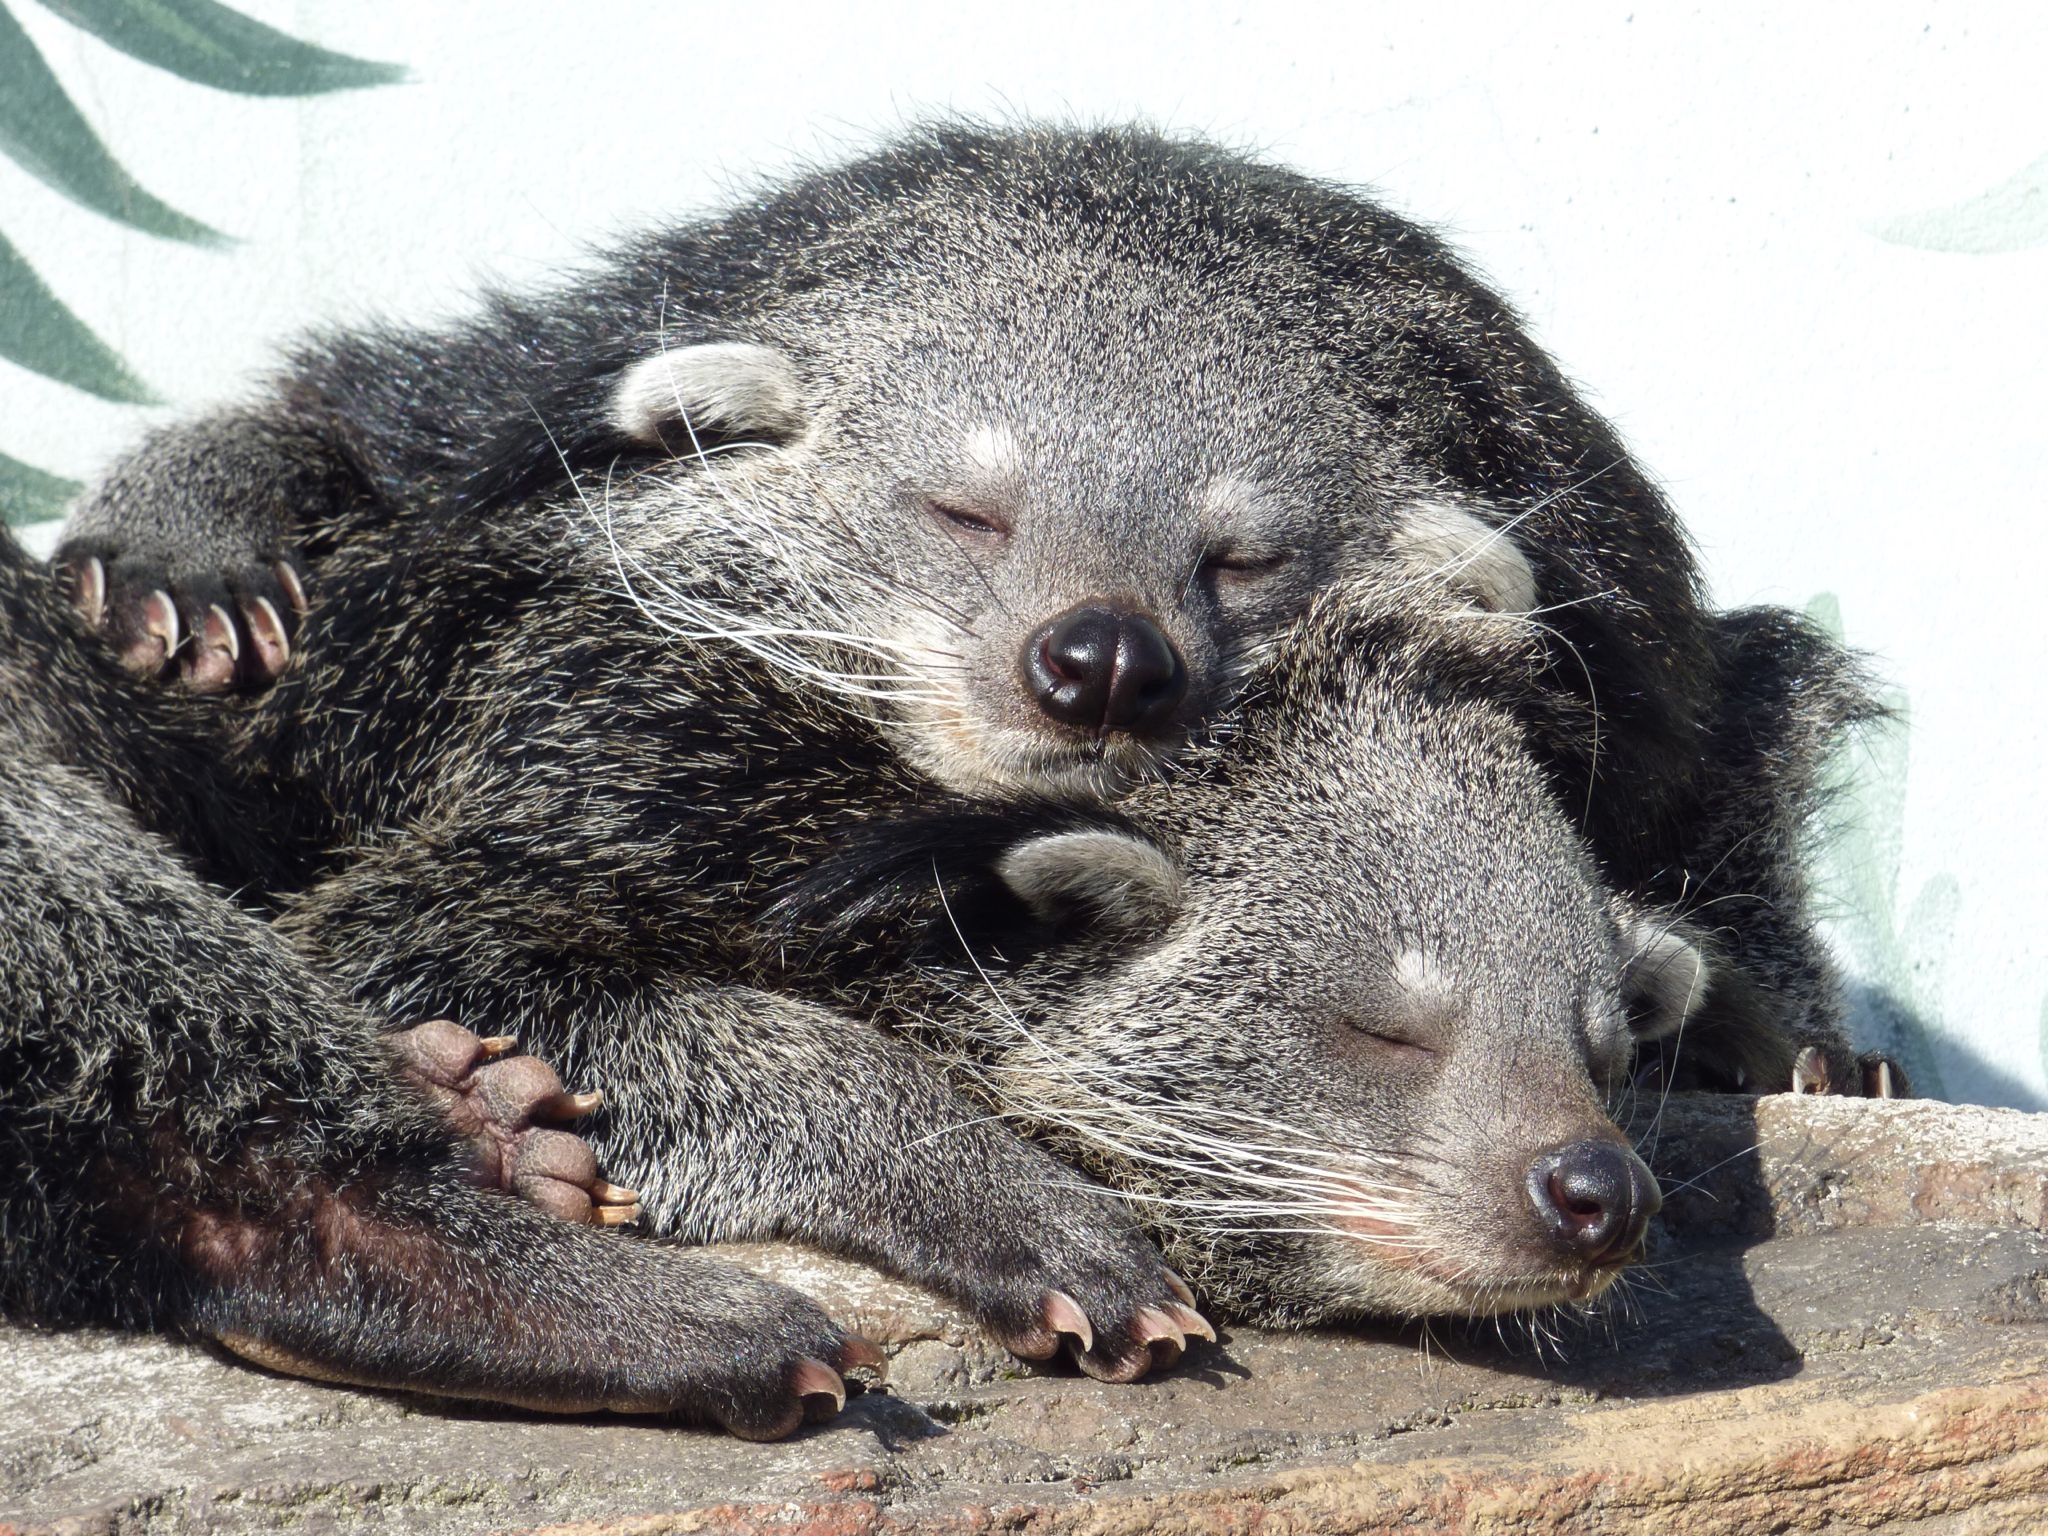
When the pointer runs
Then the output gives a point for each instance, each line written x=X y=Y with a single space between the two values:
x=528 y=800
x=1787 y=698
x=542 y=767
x=202 y=1135
x=1003 y=371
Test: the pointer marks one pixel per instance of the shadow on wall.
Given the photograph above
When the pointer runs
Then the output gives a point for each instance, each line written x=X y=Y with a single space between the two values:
x=44 y=133
x=1898 y=946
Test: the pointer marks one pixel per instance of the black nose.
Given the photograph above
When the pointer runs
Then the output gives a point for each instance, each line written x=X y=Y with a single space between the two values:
x=1105 y=669
x=1595 y=1198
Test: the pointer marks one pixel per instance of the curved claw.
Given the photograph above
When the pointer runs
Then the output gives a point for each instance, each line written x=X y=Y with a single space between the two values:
x=1192 y=1323
x=294 y=589
x=1063 y=1315
x=567 y=1106
x=89 y=589
x=1180 y=1289
x=267 y=634
x=216 y=652
x=1810 y=1072
x=1160 y=1331
x=159 y=623
x=1882 y=1078
x=859 y=1354
x=815 y=1382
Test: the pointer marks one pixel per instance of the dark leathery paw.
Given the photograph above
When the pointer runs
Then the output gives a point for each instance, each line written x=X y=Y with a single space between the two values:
x=1120 y=1335
x=512 y=1108
x=811 y=1388
x=209 y=631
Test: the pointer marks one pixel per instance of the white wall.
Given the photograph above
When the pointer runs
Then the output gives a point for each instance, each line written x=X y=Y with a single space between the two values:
x=1798 y=253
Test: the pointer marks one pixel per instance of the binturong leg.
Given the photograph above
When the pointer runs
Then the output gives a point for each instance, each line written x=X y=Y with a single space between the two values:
x=197 y=1134
x=738 y=1113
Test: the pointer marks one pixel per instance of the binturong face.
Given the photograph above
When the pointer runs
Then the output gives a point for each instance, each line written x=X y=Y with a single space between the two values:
x=1038 y=493
x=1345 y=1011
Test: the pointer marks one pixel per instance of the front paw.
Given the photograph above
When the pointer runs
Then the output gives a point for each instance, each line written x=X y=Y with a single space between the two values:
x=513 y=1109
x=1116 y=1310
x=210 y=631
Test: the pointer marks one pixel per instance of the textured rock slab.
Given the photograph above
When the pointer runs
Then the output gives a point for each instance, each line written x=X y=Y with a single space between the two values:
x=1841 y=1329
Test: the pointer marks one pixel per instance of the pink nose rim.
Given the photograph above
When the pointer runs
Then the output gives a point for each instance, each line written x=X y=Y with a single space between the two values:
x=1594 y=1198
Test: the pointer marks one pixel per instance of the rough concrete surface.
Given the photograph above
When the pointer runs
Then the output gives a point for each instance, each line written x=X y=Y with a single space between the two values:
x=1843 y=1327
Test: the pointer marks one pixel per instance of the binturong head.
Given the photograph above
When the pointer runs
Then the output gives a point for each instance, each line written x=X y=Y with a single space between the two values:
x=1055 y=430
x=1344 y=1007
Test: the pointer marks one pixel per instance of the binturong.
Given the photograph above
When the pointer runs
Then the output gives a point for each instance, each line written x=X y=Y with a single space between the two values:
x=1342 y=1008
x=1064 y=422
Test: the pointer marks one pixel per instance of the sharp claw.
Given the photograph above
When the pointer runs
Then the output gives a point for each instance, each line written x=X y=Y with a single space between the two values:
x=160 y=618
x=864 y=1354
x=220 y=631
x=614 y=1215
x=267 y=632
x=1192 y=1323
x=567 y=1106
x=294 y=590
x=814 y=1378
x=1810 y=1071
x=1157 y=1326
x=613 y=1194
x=1180 y=1289
x=494 y=1046
x=1063 y=1314
x=89 y=590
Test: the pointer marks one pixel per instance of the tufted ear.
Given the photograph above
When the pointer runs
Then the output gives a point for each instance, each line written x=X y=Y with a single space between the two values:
x=688 y=399
x=1438 y=542
x=1094 y=879
x=1666 y=974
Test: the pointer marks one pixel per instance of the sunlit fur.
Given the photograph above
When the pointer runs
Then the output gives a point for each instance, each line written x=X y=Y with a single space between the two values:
x=1235 y=1030
x=1164 y=372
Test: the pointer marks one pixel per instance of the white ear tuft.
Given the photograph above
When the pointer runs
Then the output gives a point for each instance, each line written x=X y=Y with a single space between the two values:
x=718 y=389
x=1449 y=544
x=1127 y=881
x=1665 y=978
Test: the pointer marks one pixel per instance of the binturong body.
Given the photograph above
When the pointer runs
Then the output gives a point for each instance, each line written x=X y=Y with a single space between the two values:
x=866 y=513
x=530 y=790
x=1344 y=1006
x=203 y=1135
x=1064 y=422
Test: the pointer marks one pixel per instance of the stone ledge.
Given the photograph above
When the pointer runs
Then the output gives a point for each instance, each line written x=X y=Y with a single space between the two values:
x=1840 y=1329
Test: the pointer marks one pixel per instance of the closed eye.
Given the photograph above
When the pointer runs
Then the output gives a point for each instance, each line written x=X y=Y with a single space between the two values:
x=977 y=521
x=1397 y=1044
x=1234 y=564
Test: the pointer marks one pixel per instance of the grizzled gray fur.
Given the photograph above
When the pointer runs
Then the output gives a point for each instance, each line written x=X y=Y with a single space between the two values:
x=204 y=1136
x=870 y=530
x=525 y=793
x=1062 y=422
x=1344 y=1006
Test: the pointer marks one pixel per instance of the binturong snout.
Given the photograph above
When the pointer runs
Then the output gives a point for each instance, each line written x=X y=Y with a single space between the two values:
x=1102 y=667
x=1595 y=1198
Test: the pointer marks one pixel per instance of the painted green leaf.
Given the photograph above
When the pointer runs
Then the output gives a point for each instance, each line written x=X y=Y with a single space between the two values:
x=28 y=494
x=2012 y=216
x=38 y=332
x=209 y=44
x=43 y=133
